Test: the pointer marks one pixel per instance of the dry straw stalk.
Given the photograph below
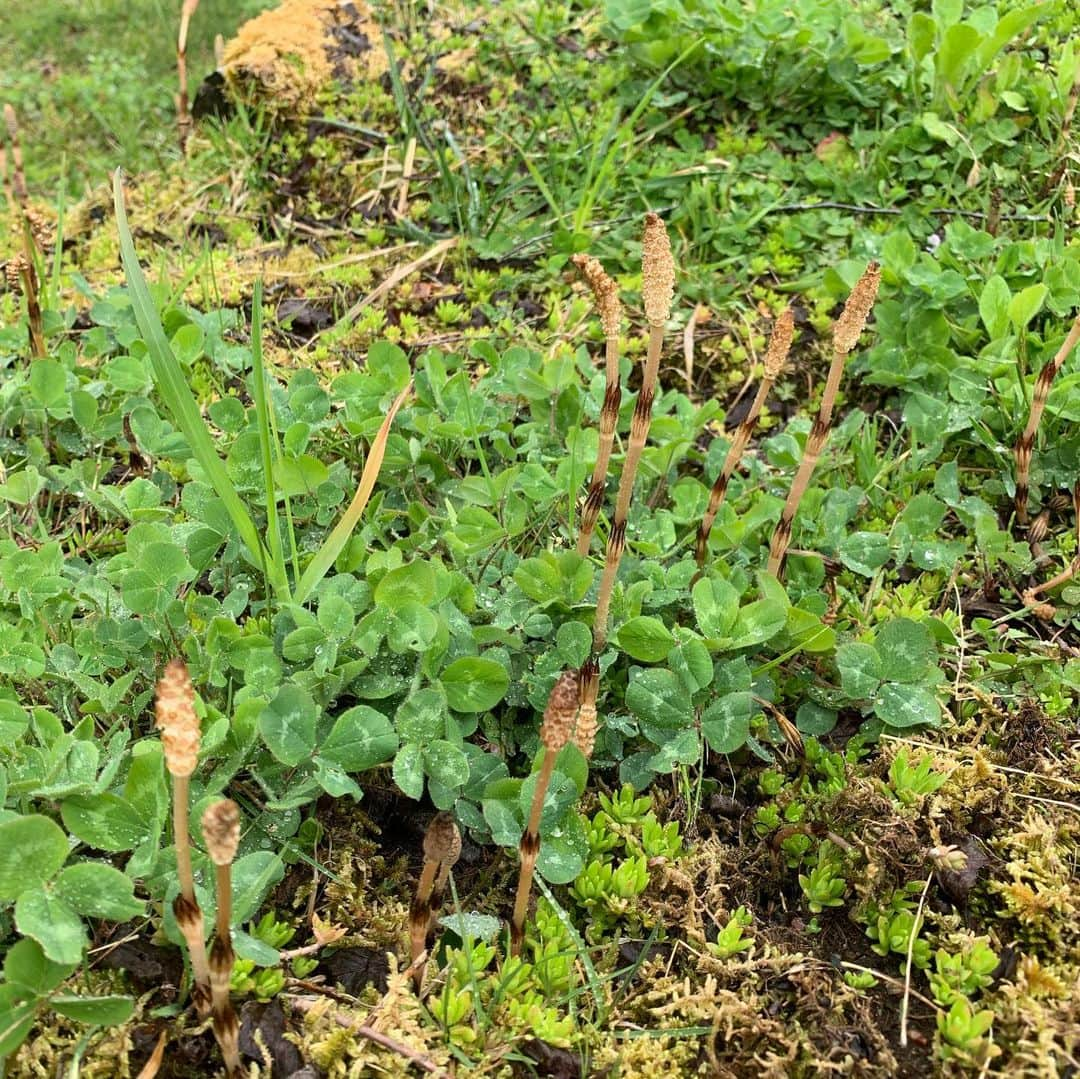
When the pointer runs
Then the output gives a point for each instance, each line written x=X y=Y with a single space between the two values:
x=846 y=332
x=775 y=358
x=179 y=726
x=183 y=113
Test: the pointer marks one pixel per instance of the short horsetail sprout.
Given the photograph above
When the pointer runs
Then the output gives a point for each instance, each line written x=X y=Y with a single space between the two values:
x=775 y=358
x=1044 y=609
x=846 y=332
x=183 y=114
x=657 y=292
x=555 y=731
x=442 y=848
x=588 y=687
x=179 y=726
x=1026 y=442
x=221 y=830
x=606 y=295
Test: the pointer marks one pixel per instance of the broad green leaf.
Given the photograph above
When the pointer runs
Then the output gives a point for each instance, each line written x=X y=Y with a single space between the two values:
x=1025 y=305
x=907 y=649
x=98 y=890
x=474 y=683
x=421 y=717
x=446 y=763
x=865 y=552
x=408 y=770
x=994 y=303
x=27 y=965
x=32 y=850
x=573 y=640
x=860 y=669
x=287 y=724
x=105 y=821
x=361 y=738
x=253 y=876
x=660 y=702
x=726 y=722
x=17 y=1016
x=53 y=924
x=563 y=851
x=716 y=606
x=414 y=582
x=645 y=638
x=907 y=706
x=98 y=1011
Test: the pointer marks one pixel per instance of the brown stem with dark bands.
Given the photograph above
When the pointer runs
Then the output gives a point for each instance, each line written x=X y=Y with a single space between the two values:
x=183 y=114
x=734 y=456
x=189 y=917
x=609 y=418
x=639 y=432
x=226 y=1026
x=1025 y=444
x=846 y=331
x=530 y=851
x=420 y=919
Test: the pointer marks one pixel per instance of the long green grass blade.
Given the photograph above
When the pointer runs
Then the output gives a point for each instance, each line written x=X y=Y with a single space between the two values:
x=178 y=398
x=266 y=434
x=334 y=544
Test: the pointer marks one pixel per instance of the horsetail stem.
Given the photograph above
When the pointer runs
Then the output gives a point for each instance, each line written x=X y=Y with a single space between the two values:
x=657 y=291
x=776 y=357
x=606 y=296
x=555 y=731
x=1025 y=444
x=221 y=830
x=179 y=726
x=442 y=848
x=846 y=332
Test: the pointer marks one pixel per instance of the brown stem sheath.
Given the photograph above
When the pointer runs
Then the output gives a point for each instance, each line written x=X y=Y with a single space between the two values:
x=183 y=115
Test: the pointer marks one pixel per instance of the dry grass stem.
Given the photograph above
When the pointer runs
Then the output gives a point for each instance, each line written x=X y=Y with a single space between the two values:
x=1043 y=609
x=776 y=357
x=606 y=295
x=1025 y=444
x=179 y=726
x=657 y=290
x=555 y=731
x=221 y=830
x=846 y=332
x=31 y=229
x=183 y=113
x=442 y=848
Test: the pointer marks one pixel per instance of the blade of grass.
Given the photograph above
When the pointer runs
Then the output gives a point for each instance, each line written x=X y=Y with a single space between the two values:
x=178 y=398
x=262 y=412
x=335 y=542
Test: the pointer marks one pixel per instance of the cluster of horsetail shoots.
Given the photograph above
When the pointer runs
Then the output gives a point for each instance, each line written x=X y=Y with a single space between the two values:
x=846 y=332
x=1025 y=444
x=606 y=295
x=22 y=268
x=442 y=848
x=183 y=112
x=179 y=726
x=555 y=731
x=657 y=293
x=775 y=358
x=221 y=830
